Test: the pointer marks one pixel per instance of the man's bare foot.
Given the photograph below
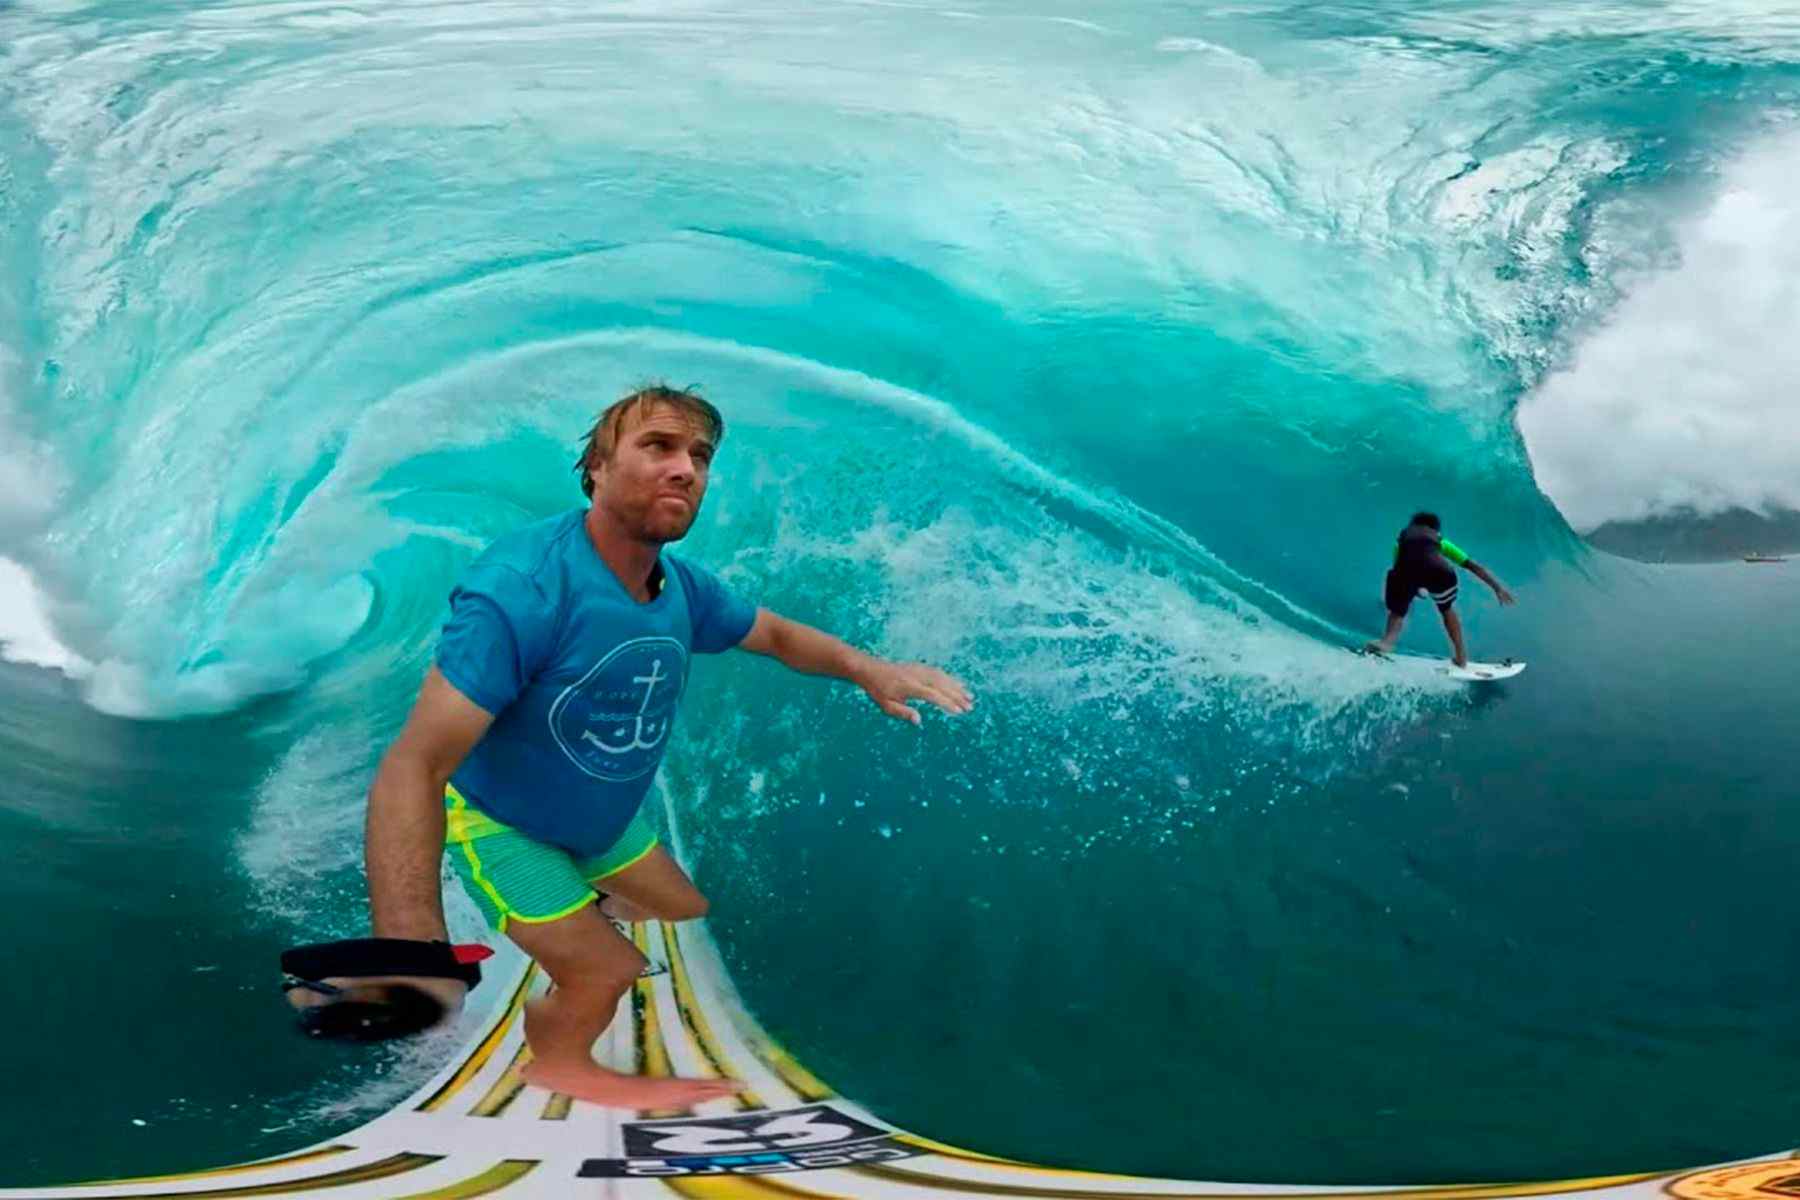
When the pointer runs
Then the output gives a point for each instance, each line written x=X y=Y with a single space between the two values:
x=594 y=1083
x=1377 y=647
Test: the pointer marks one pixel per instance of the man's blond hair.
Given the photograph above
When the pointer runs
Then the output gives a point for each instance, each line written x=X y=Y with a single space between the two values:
x=603 y=438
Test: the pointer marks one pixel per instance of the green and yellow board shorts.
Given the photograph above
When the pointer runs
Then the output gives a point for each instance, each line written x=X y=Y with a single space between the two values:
x=514 y=877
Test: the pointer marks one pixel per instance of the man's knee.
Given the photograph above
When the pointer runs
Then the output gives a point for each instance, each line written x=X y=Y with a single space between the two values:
x=656 y=887
x=684 y=908
x=606 y=974
x=580 y=951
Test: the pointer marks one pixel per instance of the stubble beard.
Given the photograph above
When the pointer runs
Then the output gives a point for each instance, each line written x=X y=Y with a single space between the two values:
x=646 y=526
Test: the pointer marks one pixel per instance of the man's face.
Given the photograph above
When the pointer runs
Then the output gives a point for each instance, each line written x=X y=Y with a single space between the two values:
x=653 y=483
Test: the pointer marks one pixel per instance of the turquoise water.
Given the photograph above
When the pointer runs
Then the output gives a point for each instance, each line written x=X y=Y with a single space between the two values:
x=1095 y=355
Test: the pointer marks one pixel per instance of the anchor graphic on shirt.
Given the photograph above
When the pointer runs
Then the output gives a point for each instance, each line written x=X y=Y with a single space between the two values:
x=637 y=741
x=614 y=722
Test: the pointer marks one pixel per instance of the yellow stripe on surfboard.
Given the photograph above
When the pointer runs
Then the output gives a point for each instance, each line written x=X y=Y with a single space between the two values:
x=386 y=1168
x=267 y=1164
x=485 y=1050
x=687 y=1003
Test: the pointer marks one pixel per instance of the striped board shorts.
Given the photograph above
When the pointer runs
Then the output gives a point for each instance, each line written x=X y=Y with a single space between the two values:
x=514 y=877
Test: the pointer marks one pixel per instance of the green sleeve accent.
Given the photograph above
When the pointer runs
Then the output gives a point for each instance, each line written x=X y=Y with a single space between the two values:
x=1452 y=551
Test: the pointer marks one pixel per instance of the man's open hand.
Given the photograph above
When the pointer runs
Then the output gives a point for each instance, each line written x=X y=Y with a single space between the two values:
x=892 y=686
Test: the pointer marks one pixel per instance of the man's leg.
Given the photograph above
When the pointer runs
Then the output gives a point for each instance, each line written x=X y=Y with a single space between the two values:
x=1395 y=622
x=590 y=967
x=654 y=886
x=539 y=897
x=1397 y=591
x=1453 y=627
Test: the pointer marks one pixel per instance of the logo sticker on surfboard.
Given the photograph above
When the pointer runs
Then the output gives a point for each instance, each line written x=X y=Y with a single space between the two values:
x=814 y=1138
x=1769 y=1180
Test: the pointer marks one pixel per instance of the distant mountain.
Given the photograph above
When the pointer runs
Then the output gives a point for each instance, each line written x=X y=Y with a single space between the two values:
x=1688 y=537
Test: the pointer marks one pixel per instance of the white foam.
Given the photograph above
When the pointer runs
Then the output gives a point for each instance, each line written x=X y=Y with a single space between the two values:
x=1055 y=621
x=1194 y=45
x=1684 y=399
x=29 y=486
x=26 y=632
x=1717 y=28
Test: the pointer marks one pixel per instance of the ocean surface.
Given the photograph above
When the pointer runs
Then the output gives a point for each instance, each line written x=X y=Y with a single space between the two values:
x=1093 y=352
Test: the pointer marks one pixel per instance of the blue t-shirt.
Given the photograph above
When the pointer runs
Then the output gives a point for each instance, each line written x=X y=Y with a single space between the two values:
x=582 y=679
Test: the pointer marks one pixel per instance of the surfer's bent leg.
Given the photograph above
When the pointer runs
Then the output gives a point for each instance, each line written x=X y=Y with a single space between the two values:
x=539 y=896
x=640 y=880
x=591 y=966
x=653 y=886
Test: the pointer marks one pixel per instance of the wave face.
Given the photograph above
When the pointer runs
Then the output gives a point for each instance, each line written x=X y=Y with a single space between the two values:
x=1094 y=354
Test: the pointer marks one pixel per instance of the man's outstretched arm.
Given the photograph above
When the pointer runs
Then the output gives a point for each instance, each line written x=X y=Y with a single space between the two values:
x=891 y=685
x=1482 y=573
x=403 y=842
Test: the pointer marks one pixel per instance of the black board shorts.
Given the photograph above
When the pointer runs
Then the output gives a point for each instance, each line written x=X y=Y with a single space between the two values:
x=1437 y=580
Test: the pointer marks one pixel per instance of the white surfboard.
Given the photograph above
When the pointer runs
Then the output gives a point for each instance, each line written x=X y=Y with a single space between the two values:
x=478 y=1129
x=1471 y=672
x=1478 y=672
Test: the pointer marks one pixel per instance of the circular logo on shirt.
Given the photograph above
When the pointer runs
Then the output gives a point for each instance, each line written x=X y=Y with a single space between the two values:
x=614 y=721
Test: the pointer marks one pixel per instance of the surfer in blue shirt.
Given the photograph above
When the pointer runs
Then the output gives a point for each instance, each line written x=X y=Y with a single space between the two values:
x=539 y=728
